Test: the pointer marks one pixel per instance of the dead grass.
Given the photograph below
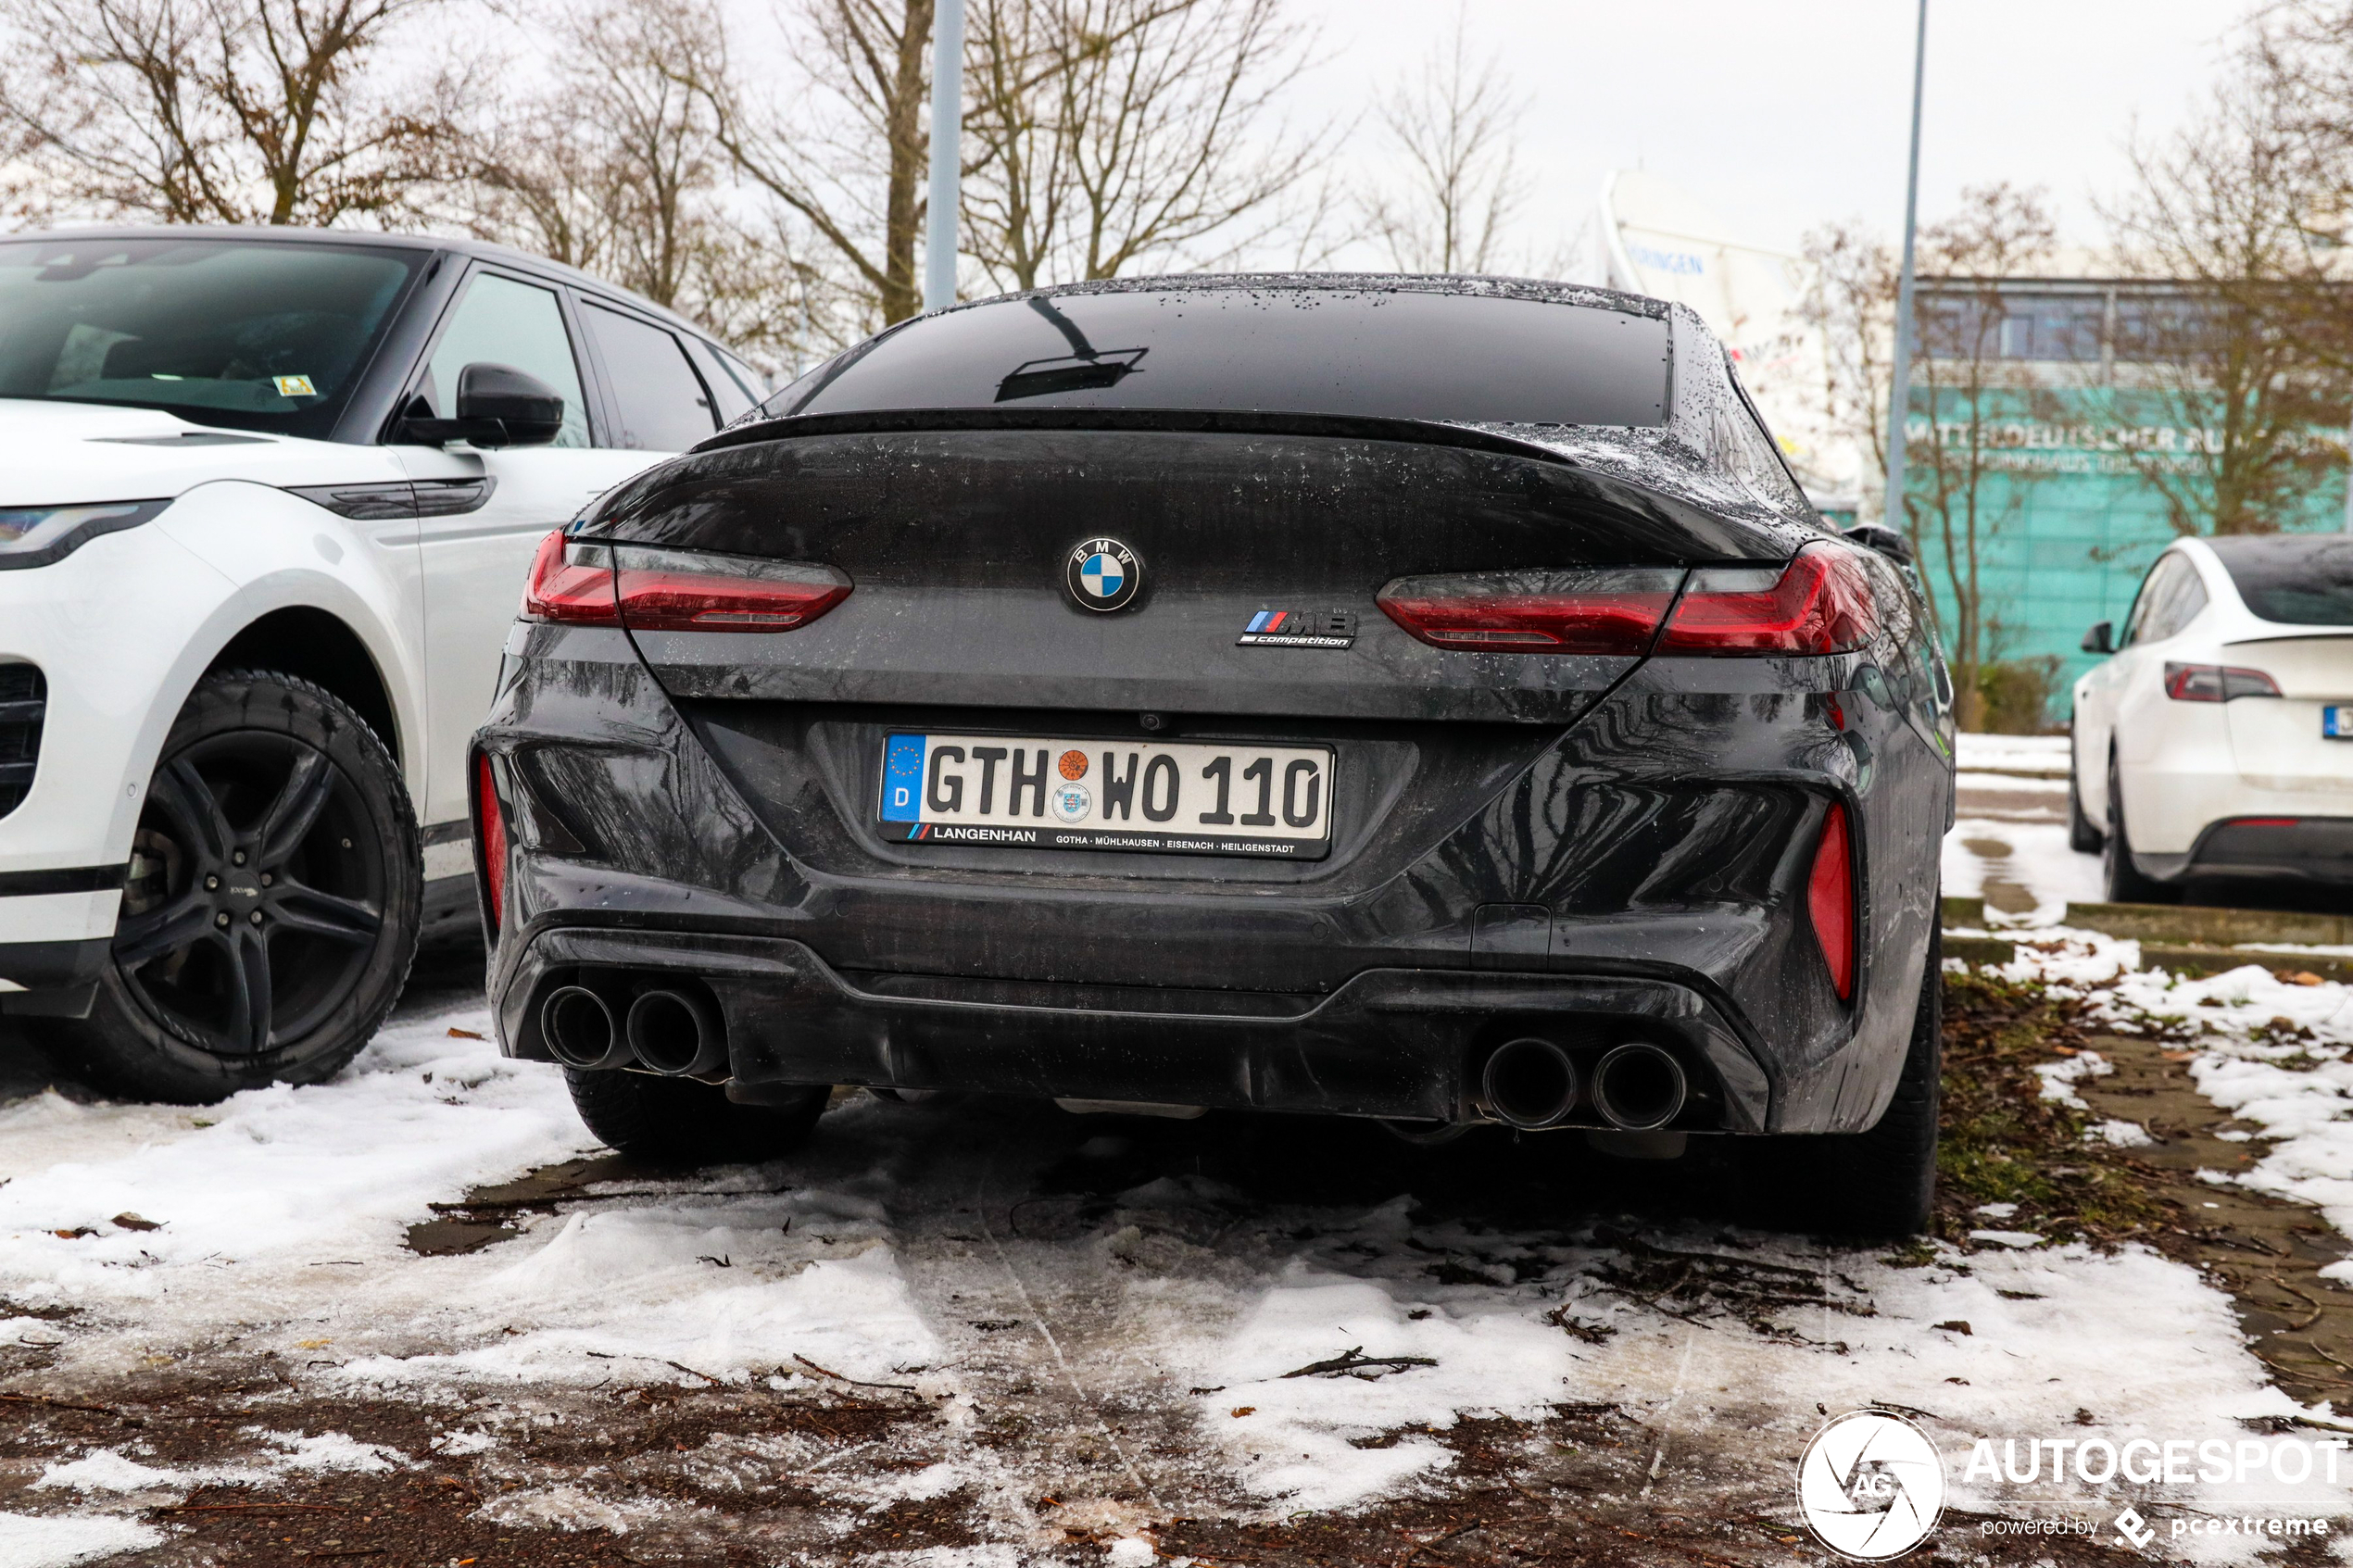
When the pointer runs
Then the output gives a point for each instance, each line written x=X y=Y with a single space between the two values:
x=2002 y=1142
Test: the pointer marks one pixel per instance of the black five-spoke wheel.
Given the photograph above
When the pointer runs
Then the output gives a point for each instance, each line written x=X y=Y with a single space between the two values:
x=271 y=905
x=256 y=893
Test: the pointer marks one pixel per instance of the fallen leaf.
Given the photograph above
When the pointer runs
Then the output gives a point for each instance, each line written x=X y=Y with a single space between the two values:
x=2301 y=977
x=312 y=1344
x=1241 y=1410
x=74 y=1235
x=457 y=1033
x=1956 y=1326
x=2065 y=1051
x=133 y=1222
x=1962 y=1381
x=2180 y=1056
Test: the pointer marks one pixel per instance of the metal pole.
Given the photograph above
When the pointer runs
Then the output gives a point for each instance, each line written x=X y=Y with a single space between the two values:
x=1899 y=395
x=947 y=153
x=2348 y=480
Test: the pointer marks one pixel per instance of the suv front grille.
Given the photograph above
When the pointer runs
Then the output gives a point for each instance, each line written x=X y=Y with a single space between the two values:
x=24 y=699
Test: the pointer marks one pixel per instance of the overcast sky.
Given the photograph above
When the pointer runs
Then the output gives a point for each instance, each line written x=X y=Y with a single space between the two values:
x=1782 y=114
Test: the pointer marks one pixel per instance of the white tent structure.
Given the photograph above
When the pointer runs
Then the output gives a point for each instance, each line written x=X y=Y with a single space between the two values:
x=1659 y=240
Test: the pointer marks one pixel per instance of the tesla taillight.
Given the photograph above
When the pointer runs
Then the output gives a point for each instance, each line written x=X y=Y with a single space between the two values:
x=490 y=841
x=1819 y=603
x=691 y=591
x=1829 y=900
x=570 y=582
x=2216 y=682
x=1608 y=611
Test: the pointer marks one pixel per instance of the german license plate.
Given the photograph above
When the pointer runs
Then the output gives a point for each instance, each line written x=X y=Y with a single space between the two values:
x=1174 y=797
x=2336 y=721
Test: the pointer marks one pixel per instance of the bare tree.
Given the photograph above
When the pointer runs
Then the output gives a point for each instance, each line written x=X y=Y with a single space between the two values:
x=1109 y=134
x=229 y=111
x=842 y=145
x=1967 y=393
x=1850 y=299
x=2235 y=350
x=1453 y=126
x=616 y=168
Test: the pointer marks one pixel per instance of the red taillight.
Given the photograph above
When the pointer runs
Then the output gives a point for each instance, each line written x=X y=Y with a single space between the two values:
x=2264 y=822
x=571 y=582
x=688 y=591
x=589 y=584
x=2216 y=682
x=1603 y=611
x=1829 y=900
x=490 y=841
x=1819 y=603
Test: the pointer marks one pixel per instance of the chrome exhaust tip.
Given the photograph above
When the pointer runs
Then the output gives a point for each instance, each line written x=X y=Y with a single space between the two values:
x=578 y=1030
x=1531 y=1084
x=1638 y=1088
x=676 y=1033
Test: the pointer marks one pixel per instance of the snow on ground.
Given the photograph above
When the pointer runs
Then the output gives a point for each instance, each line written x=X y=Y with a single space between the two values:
x=896 y=1251
x=2024 y=870
x=2013 y=754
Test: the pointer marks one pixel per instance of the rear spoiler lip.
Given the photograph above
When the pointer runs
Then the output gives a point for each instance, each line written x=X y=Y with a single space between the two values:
x=1222 y=421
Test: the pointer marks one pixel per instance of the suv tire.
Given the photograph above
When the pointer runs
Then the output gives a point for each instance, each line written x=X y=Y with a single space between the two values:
x=271 y=905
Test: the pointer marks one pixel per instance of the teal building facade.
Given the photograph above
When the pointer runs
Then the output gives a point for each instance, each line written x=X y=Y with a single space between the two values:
x=2068 y=520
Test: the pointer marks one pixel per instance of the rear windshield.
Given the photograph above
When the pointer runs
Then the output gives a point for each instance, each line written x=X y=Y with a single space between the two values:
x=2298 y=580
x=1387 y=354
x=248 y=335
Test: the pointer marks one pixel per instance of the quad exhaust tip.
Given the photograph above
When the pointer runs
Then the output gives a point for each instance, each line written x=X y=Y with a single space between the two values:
x=578 y=1030
x=1531 y=1084
x=676 y=1033
x=1638 y=1088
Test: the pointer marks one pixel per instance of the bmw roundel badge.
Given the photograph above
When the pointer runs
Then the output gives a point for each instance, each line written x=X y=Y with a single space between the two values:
x=1102 y=574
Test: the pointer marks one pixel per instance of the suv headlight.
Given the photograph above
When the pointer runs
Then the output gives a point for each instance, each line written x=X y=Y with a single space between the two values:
x=37 y=535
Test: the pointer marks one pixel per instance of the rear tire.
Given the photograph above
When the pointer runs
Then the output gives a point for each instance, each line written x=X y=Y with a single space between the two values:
x=1879 y=1184
x=2124 y=882
x=272 y=907
x=686 y=1121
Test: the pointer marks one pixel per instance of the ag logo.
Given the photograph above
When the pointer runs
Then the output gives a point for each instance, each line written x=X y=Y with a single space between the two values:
x=1102 y=574
x=1871 y=1486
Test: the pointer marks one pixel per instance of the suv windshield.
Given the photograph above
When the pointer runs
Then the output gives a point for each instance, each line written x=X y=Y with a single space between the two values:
x=2298 y=580
x=1391 y=352
x=250 y=334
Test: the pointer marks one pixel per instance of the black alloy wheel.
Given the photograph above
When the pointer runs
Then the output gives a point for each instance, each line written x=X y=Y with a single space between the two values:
x=272 y=902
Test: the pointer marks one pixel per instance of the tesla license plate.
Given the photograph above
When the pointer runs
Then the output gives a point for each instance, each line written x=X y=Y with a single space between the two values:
x=1178 y=797
x=2336 y=723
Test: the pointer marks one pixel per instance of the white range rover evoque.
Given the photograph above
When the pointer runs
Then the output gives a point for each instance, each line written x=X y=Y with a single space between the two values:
x=267 y=502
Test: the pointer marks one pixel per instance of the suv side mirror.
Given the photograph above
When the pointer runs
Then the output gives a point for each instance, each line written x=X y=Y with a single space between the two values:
x=1885 y=540
x=2101 y=638
x=497 y=405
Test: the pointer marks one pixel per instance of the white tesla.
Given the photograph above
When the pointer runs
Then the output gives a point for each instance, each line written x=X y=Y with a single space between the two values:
x=2218 y=741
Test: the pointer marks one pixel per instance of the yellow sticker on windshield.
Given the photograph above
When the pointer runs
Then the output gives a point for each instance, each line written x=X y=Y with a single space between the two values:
x=295 y=386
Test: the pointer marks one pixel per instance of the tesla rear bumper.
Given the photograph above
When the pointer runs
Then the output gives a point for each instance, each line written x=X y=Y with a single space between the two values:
x=1401 y=1043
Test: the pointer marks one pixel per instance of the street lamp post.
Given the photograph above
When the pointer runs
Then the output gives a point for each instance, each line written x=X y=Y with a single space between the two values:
x=1899 y=396
x=947 y=153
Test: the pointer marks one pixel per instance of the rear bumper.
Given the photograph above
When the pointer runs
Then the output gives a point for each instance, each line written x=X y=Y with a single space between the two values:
x=2308 y=849
x=1401 y=1042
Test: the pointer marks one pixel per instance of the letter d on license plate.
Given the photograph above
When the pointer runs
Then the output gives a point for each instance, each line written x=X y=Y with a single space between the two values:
x=1180 y=799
